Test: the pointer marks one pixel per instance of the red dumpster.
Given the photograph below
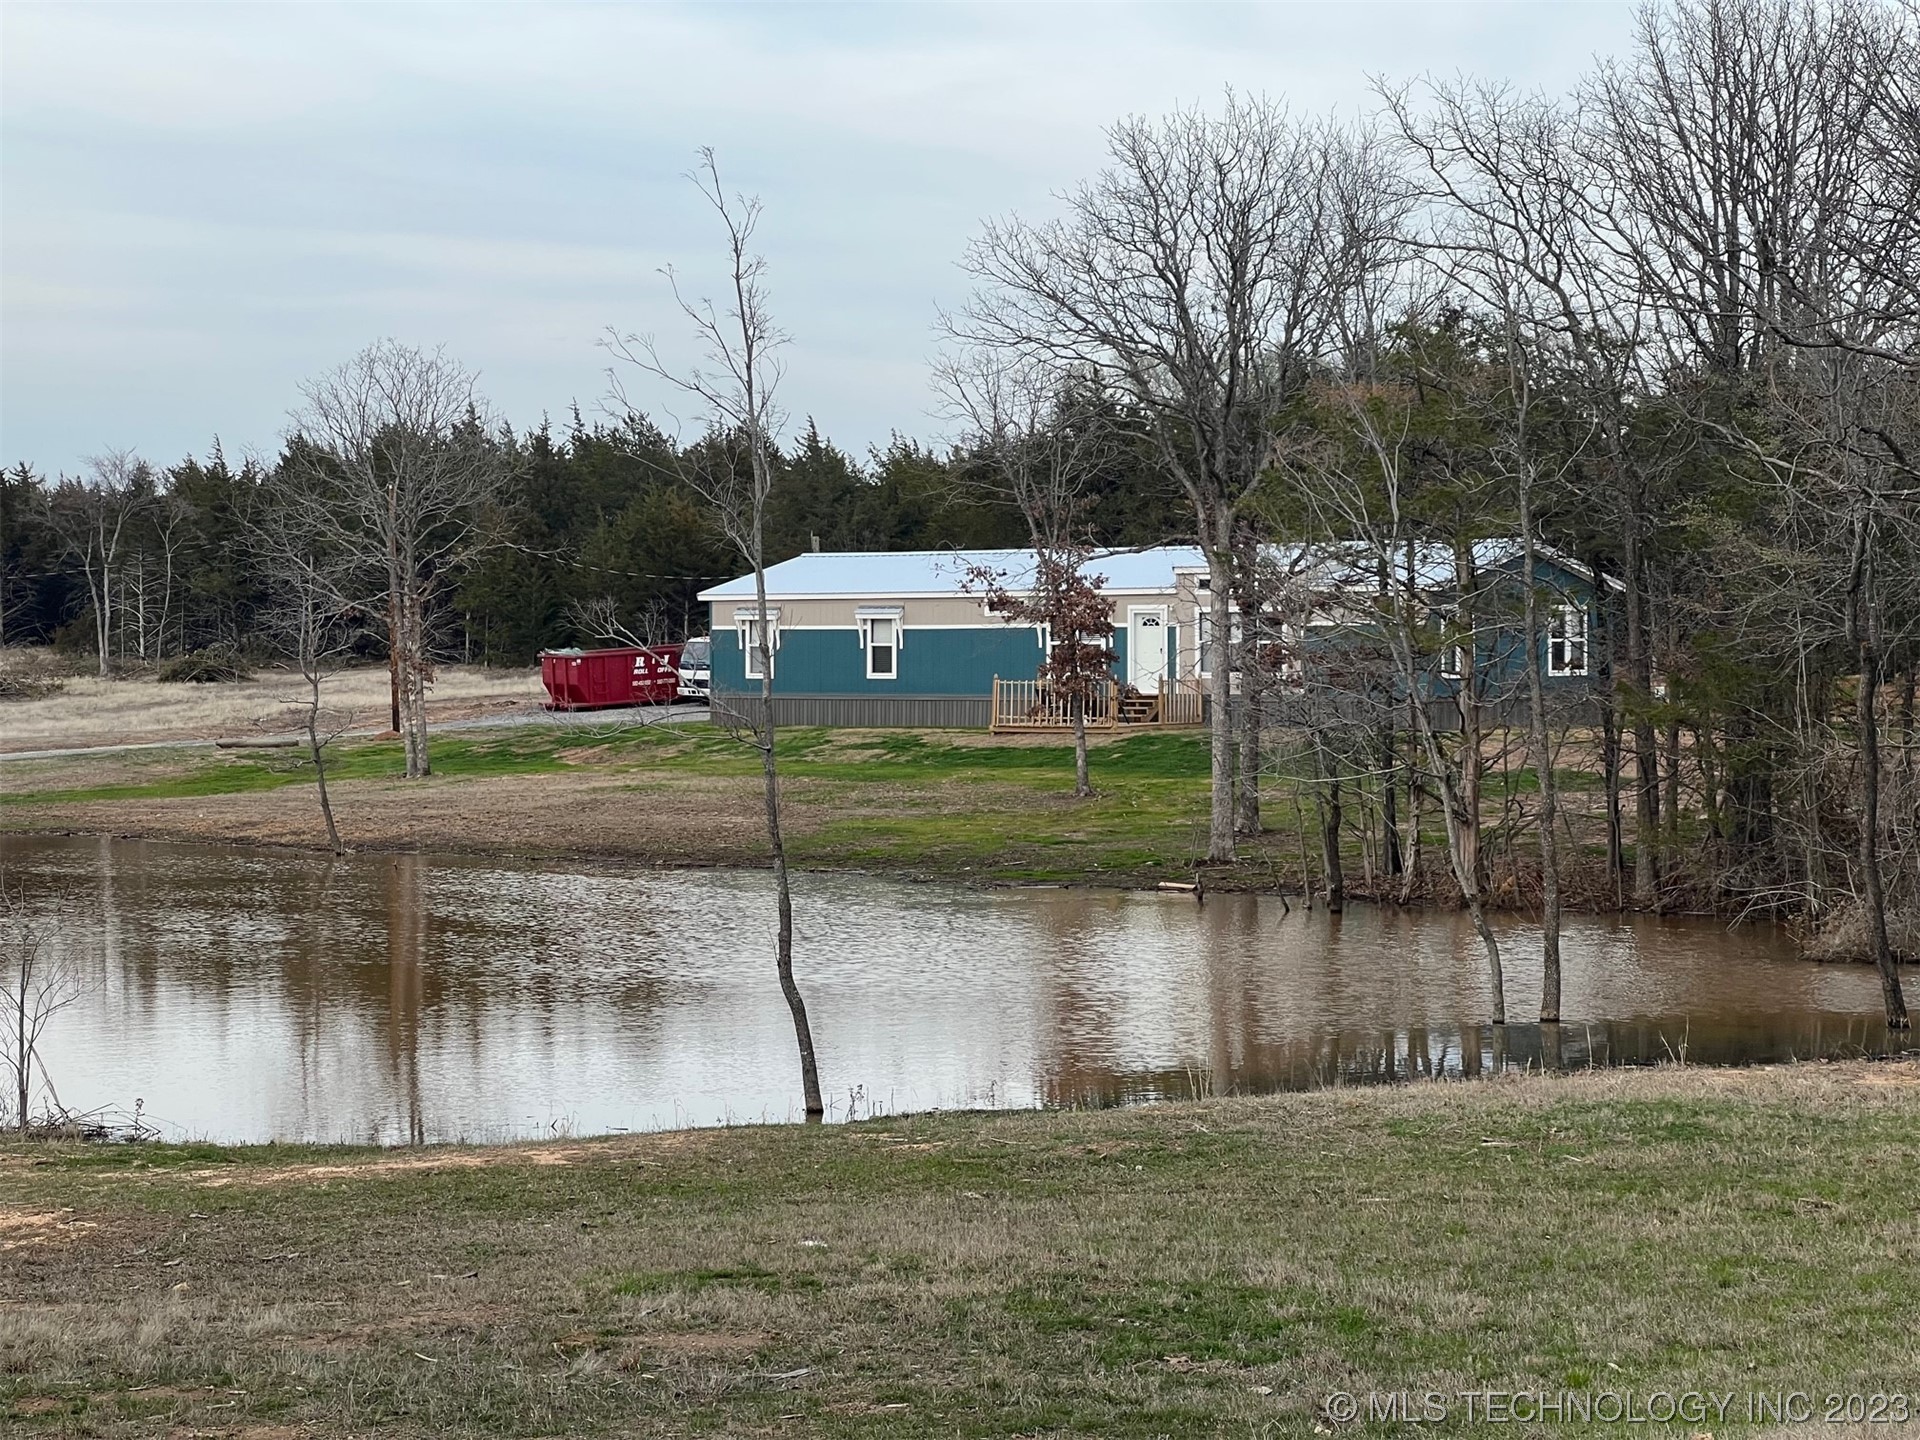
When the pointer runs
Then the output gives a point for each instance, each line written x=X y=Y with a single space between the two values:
x=604 y=679
x=656 y=675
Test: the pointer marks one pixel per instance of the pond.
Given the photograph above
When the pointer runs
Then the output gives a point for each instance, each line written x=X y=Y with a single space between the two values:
x=246 y=995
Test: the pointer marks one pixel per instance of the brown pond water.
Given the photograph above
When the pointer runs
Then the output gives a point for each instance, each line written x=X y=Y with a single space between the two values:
x=254 y=995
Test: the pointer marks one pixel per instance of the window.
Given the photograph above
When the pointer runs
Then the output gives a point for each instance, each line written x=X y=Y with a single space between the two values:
x=883 y=648
x=1205 y=633
x=1453 y=662
x=1567 y=641
x=747 y=624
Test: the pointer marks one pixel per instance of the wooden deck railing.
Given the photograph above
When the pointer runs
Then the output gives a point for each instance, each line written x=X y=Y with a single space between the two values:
x=1034 y=705
x=1184 y=704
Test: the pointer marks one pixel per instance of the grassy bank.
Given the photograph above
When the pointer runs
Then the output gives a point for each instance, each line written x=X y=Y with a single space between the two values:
x=945 y=804
x=1212 y=1268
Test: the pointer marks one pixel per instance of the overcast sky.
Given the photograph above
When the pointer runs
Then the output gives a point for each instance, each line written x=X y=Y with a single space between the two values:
x=200 y=205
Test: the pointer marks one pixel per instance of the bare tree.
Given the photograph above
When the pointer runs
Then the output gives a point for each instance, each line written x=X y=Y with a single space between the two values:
x=397 y=468
x=1194 y=277
x=733 y=470
x=92 y=517
x=310 y=617
x=40 y=981
x=1759 y=149
x=600 y=619
x=1038 y=438
x=1358 y=480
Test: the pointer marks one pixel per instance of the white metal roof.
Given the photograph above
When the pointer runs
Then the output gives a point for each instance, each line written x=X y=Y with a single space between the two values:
x=888 y=573
x=891 y=574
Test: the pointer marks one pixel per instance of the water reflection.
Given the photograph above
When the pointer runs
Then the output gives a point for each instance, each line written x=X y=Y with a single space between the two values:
x=255 y=995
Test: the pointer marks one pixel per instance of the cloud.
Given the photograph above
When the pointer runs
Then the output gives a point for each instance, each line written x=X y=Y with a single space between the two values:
x=205 y=203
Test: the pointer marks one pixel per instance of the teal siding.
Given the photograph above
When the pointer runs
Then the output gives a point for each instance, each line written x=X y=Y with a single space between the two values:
x=961 y=660
x=958 y=661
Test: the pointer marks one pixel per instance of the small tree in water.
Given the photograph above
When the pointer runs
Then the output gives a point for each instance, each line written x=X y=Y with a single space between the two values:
x=733 y=469
x=39 y=981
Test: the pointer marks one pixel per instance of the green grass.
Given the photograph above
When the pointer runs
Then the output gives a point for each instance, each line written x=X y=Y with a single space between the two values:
x=216 y=772
x=1206 y=1269
x=931 y=804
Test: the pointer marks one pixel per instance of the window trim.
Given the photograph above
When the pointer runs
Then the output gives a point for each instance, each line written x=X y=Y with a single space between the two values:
x=744 y=622
x=894 y=615
x=892 y=644
x=1571 y=635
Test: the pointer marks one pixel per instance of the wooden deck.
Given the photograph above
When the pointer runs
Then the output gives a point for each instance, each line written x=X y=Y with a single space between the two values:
x=1031 y=705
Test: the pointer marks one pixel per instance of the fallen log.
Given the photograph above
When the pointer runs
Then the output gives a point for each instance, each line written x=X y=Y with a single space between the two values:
x=247 y=742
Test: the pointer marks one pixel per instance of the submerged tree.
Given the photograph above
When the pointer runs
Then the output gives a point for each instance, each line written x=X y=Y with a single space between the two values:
x=733 y=468
x=38 y=979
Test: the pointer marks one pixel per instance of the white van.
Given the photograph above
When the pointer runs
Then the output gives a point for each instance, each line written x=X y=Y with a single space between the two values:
x=696 y=668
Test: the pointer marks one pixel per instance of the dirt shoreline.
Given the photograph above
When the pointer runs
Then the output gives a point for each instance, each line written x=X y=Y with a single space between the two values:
x=943 y=807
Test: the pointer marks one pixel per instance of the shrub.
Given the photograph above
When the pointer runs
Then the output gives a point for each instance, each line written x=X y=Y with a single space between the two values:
x=210 y=666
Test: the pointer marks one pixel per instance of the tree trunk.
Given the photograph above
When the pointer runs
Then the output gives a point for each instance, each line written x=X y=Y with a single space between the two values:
x=316 y=750
x=1895 y=1002
x=1220 y=844
x=1646 y=766
x=102 y=593
x=1391 y=864
x=1543 y=768
x=1082 y=786
x=393 y=664
x=411 y=719
x=1454 y=812
x=783 y=954
x=1610 y=768
x=1416 y=810
x=1472 y=760
x=1246 y=817
x=21 y=1058
x=417 y=667
x=1330 y=864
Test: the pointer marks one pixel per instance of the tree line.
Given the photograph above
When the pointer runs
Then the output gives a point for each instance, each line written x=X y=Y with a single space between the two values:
x=135 y=562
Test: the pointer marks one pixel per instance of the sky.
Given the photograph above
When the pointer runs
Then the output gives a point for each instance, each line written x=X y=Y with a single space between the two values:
x=203 y=205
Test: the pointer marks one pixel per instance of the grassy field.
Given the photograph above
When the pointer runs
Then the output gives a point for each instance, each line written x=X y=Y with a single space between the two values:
x=81 y=709
x=947 y=804
x=1216 y=1268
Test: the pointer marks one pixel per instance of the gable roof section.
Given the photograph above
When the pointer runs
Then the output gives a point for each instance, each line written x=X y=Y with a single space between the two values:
x=880 y=574
x=905 y=574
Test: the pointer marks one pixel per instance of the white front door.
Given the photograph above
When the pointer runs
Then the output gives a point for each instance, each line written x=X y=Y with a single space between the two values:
x=1147 y=648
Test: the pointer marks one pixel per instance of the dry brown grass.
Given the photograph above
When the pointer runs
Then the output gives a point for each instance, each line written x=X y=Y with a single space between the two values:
x=90 y=711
